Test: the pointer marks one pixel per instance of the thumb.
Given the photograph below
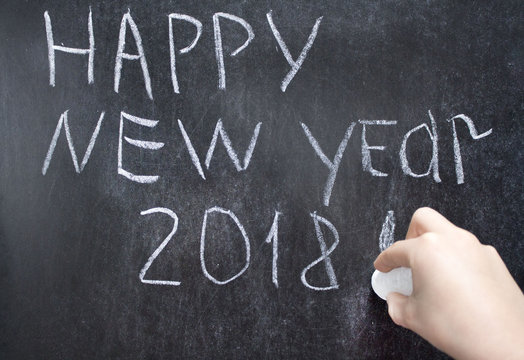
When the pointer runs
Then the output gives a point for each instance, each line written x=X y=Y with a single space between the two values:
x=398 y=308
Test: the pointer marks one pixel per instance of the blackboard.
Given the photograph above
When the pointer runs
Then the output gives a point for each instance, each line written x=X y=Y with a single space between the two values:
x=185 y=179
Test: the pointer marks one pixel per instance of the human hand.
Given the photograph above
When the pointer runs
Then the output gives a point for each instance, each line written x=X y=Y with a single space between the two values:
x=464 y=301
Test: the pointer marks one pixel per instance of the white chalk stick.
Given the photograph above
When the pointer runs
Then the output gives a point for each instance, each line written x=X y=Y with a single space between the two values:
x=397 y=280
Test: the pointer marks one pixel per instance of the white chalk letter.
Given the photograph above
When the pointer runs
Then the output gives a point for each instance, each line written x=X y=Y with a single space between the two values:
x=433 y=136
x=219 y=51
x=459 y=170
x=332 y=165
x=51 y=48
x=191 y=150
x=120 y=54
x=325 y=254
x=387 y=234
x=219 y=130
x=295 y=65
x=65 y=123
x=203 y=245
x=187 y=49
x=159 y=248
x=366 y=153
x=149 y=145
x=272 y=237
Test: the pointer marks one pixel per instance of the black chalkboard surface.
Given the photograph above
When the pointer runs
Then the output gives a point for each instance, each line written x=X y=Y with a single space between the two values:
x=186 y=179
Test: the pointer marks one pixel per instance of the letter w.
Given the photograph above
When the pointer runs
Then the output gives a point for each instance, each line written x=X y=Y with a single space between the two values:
x=219 y=130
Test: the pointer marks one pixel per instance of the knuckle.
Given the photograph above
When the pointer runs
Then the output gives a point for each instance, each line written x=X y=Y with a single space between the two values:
x=395 y=316
x=403 y=314
x=429 y=239
x=421 y=213
x=491 y=250
x=429 y=244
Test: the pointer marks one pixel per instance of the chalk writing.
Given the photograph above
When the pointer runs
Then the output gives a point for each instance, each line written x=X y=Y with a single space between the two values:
x=219 y=51
x=325 y=254
x=433 y=164
x=387 y=233
x=159 y=249
x=203 y=245
x=63 y=122
x=191 y=150
x=459 y=170
x=366 y=153
x=172 y=52
x=272 y=237
x=332 y=165
x=180 y=46
x=150 y=145
x=90 y=52
x=120 y=54
x=219 y=130
x=295 y=65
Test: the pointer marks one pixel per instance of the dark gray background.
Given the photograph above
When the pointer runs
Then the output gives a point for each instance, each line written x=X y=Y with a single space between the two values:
x=72 y=245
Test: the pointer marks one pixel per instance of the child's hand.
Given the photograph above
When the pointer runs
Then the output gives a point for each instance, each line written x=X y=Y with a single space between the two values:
x=464 y=300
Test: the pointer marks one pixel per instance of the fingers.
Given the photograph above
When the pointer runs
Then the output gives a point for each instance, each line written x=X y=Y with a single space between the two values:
x=424 y=220
x=398 y=254
x=399 y=309
x=427 y=220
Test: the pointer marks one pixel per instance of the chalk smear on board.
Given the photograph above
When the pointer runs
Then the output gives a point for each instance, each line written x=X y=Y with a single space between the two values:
x=295 y=64
x=459 y=170
x=387 y=233
x=159 y=249
x=148 y=145
x=332 y=165
x=172 y=52
x=120 y=54
x=272 y=237
x=365 y=148
x=219 y=51
x=64 y=122
x=325 y=254
x=203 y=245
x=51 y=47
